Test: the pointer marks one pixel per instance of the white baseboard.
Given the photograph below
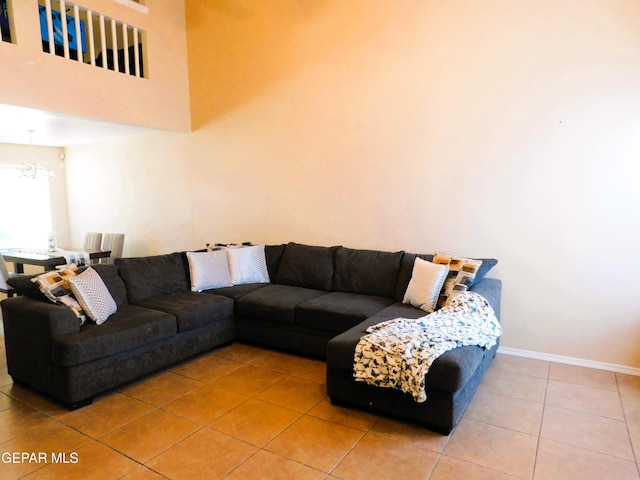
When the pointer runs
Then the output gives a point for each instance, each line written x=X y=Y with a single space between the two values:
x=580 y=362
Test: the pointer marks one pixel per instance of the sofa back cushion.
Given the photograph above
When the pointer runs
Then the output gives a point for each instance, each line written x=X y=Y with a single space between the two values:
x=109 y=274
x=273 y=255
x=306 y=266
x=368 y=272
x=147 y=277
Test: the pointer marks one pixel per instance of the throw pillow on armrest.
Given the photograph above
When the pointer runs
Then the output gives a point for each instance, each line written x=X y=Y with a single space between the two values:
x=55 y=286
x=462 y=273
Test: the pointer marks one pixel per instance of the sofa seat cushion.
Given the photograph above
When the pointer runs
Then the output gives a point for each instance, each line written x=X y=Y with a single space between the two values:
x=130 y=327
x=449 y=372
x=236 y=291
x=192 y=309
x=275 y=303
x=396 y=310
x=338 y=311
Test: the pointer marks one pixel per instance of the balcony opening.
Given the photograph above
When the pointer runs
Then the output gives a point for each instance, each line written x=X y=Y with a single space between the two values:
x=92 y=38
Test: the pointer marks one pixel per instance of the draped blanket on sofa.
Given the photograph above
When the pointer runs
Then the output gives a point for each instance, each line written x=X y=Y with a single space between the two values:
x=398 y=353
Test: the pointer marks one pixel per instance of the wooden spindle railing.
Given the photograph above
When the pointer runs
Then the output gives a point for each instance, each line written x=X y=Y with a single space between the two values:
x=106 y=42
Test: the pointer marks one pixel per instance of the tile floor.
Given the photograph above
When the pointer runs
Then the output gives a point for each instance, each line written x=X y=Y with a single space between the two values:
x=243 y=412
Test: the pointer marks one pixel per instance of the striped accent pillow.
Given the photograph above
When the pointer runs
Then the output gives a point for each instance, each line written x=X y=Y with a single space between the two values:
x=55 y=286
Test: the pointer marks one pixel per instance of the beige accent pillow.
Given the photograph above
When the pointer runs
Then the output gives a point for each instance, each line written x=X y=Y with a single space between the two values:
x=55 y=286
x=462 y=272
x=426 y=282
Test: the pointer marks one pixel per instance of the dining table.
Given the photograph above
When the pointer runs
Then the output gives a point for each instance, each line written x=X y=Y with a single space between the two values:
x=50 y=259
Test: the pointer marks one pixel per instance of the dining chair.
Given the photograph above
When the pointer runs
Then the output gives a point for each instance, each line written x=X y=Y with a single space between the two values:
x=4 y=276
x=113 y=242
x=92 y=241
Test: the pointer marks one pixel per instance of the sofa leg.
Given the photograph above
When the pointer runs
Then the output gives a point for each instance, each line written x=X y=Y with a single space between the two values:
x=80 y=404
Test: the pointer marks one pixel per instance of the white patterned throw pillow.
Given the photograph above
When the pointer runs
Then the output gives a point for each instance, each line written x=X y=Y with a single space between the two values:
x=93 y=295
x=248 y=265
x=426 y=282
x=209 y=270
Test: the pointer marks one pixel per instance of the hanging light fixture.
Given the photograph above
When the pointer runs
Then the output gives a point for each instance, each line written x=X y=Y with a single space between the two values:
x=32 y=170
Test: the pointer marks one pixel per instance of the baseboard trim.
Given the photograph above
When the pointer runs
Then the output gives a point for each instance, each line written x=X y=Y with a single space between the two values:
x=580 y=362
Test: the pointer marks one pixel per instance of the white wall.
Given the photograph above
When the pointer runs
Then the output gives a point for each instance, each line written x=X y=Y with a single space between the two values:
x=495 y=128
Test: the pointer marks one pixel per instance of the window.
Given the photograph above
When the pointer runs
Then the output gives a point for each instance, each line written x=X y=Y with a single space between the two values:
x=25 y=223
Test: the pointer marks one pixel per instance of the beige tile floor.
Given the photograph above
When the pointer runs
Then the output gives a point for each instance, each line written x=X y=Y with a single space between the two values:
x=243 y=412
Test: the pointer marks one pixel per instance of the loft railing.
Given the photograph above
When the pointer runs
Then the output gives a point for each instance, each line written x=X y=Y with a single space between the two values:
x=92 y=38
x=85 y=36
x=5 y=22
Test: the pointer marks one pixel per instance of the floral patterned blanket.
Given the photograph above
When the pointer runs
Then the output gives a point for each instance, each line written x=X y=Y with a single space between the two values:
x=398 y=353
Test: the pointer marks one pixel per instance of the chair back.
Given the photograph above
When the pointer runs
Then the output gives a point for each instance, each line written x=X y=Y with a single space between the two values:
x=92 y=241
x=4 y=276
x=113 y=242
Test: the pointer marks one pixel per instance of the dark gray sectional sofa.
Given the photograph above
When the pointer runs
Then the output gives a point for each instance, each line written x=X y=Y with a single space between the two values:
x=319 y=302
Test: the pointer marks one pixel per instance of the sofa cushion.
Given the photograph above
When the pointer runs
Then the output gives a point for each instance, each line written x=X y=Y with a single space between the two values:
x=338 y=311
x=275 y=303
x=368 y=272
x=393 y=311
x=147 y=277
x=306 y=266
x=109 y=274
x=236 y=291
x=487 y=264
x=191 y=309
x=130 y=327
x=273 y=255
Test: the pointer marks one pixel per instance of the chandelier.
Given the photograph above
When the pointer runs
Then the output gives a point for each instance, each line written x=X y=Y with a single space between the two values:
x=33 y=170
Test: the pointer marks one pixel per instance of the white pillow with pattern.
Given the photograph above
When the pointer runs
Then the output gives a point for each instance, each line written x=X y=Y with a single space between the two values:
x=426 y=282
x=248 y=265
x=209 y=270
x=93 y=295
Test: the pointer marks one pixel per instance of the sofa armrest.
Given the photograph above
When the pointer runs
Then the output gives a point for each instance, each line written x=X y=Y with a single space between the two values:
x=31 y=315
x=491 y=289
x=30 y=326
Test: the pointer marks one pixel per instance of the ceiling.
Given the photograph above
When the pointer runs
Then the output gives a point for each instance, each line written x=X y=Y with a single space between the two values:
x=29 y=126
